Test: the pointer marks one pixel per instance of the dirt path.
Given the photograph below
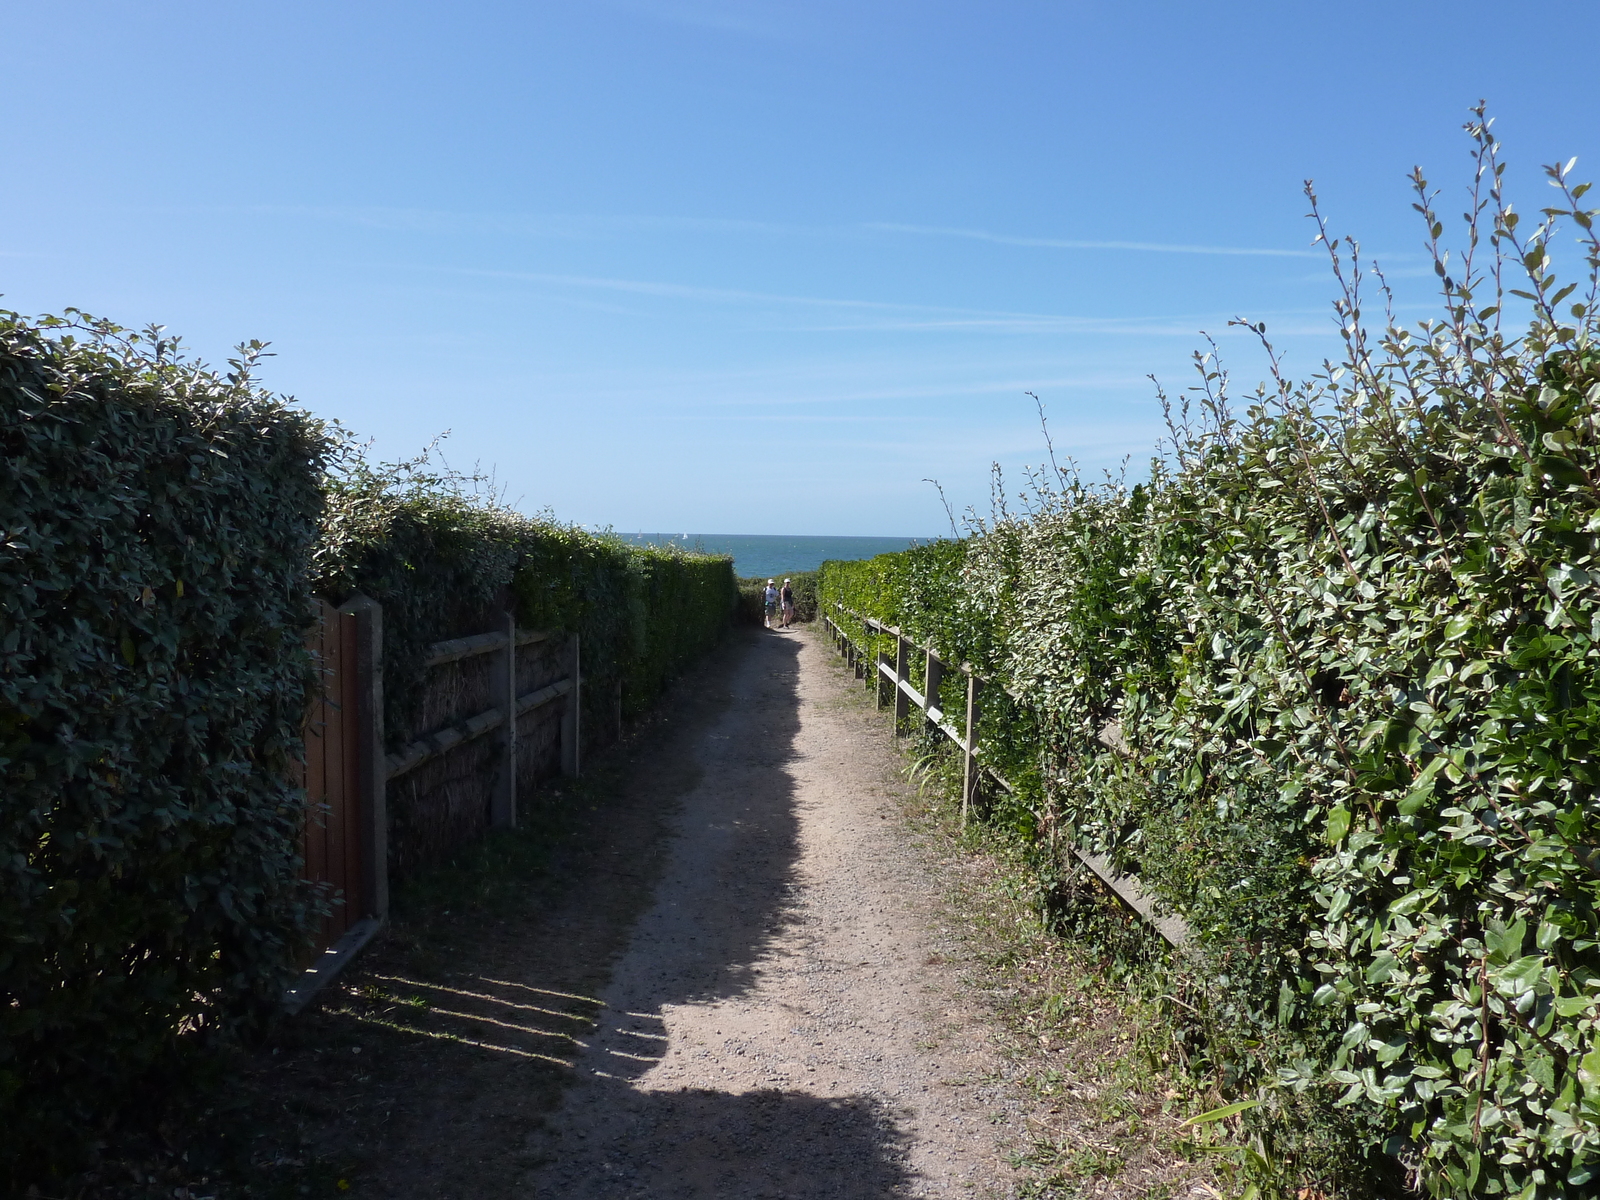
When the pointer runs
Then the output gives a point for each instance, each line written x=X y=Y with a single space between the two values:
x=713 y=968
x=783 y=1021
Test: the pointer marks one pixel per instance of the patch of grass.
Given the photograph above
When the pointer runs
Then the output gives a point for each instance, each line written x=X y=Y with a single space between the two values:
x=506 y=869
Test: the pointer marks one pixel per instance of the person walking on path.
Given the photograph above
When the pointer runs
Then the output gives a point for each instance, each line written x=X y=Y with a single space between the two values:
x=787 y=598
x=770 y=600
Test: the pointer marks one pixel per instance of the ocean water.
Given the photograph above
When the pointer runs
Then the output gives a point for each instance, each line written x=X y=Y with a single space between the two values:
x=776 y=556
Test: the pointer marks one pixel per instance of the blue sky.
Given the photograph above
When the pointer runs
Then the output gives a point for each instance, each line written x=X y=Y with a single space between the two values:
x=749 y=267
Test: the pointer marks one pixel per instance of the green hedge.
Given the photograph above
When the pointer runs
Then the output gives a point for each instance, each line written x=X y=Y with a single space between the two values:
x=688 y=601
x=442 y=559
x=1350 y=639
x=164 y=531
x=153 y=578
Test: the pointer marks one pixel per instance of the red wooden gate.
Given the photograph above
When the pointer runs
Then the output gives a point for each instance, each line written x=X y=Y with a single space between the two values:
x=332 y=838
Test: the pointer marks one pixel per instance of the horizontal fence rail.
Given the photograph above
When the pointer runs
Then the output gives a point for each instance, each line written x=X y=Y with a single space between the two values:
x=892 y=674
x=438 y=742
x=502 y=716
x=456 y=649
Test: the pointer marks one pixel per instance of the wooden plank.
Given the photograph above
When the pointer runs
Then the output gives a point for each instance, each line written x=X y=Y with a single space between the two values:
x=572 y=719
x=443 y=740
x=1125 y=887
x=374 y=802
x=544 y=695
x=503 y=686
x=969 y=751
x=902 y=666
x=329 y=963
x=458 y=648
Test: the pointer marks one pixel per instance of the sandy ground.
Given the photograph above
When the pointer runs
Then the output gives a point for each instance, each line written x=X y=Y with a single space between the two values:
x=785 y=1019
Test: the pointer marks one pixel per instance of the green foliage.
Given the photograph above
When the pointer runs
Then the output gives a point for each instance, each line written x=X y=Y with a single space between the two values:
x=926 y=591
x=164 y=528
x=1327 y=683
x=442 y=556
x=685 y=602
x=157 y=526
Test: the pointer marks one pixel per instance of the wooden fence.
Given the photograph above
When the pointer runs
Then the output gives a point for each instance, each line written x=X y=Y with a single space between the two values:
x=499 y=711
x=488 y=706
x=890 y=676
x=344 y=840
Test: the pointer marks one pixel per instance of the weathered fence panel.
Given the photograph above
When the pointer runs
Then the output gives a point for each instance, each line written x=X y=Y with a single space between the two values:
x=499 y=714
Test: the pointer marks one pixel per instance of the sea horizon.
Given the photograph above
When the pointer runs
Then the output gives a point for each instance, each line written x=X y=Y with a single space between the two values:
x=772 y=555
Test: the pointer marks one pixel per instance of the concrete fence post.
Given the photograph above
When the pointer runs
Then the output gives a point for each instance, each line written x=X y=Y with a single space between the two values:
x=571 y=727
x=503 y=682
x=371 y=764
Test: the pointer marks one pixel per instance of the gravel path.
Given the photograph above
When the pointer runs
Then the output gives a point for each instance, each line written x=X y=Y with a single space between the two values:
x=785 y=1020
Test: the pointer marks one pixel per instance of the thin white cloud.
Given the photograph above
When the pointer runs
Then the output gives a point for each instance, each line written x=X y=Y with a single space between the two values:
x=1184 y=327
x=765 y=396
x=1004 y=239
x=681 y=291
x=597 y=227
x=886 y=315
x=566 y=226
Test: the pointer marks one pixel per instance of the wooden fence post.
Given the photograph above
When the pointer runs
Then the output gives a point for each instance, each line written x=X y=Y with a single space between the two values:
x=503 y=800
x=877 y=674
x=932 y=677
x=571 y=730
x=902 y=702
x=969 y=766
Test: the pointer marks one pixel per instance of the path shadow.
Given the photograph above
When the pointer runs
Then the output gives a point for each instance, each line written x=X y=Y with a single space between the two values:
x=727 y=894
x=436 y=1067
x=697 y=1144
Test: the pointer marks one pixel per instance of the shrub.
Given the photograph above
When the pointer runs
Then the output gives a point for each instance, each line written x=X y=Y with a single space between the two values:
x=158 y=521
x=164 y=530
x=1348 y=640
x=442 y=555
